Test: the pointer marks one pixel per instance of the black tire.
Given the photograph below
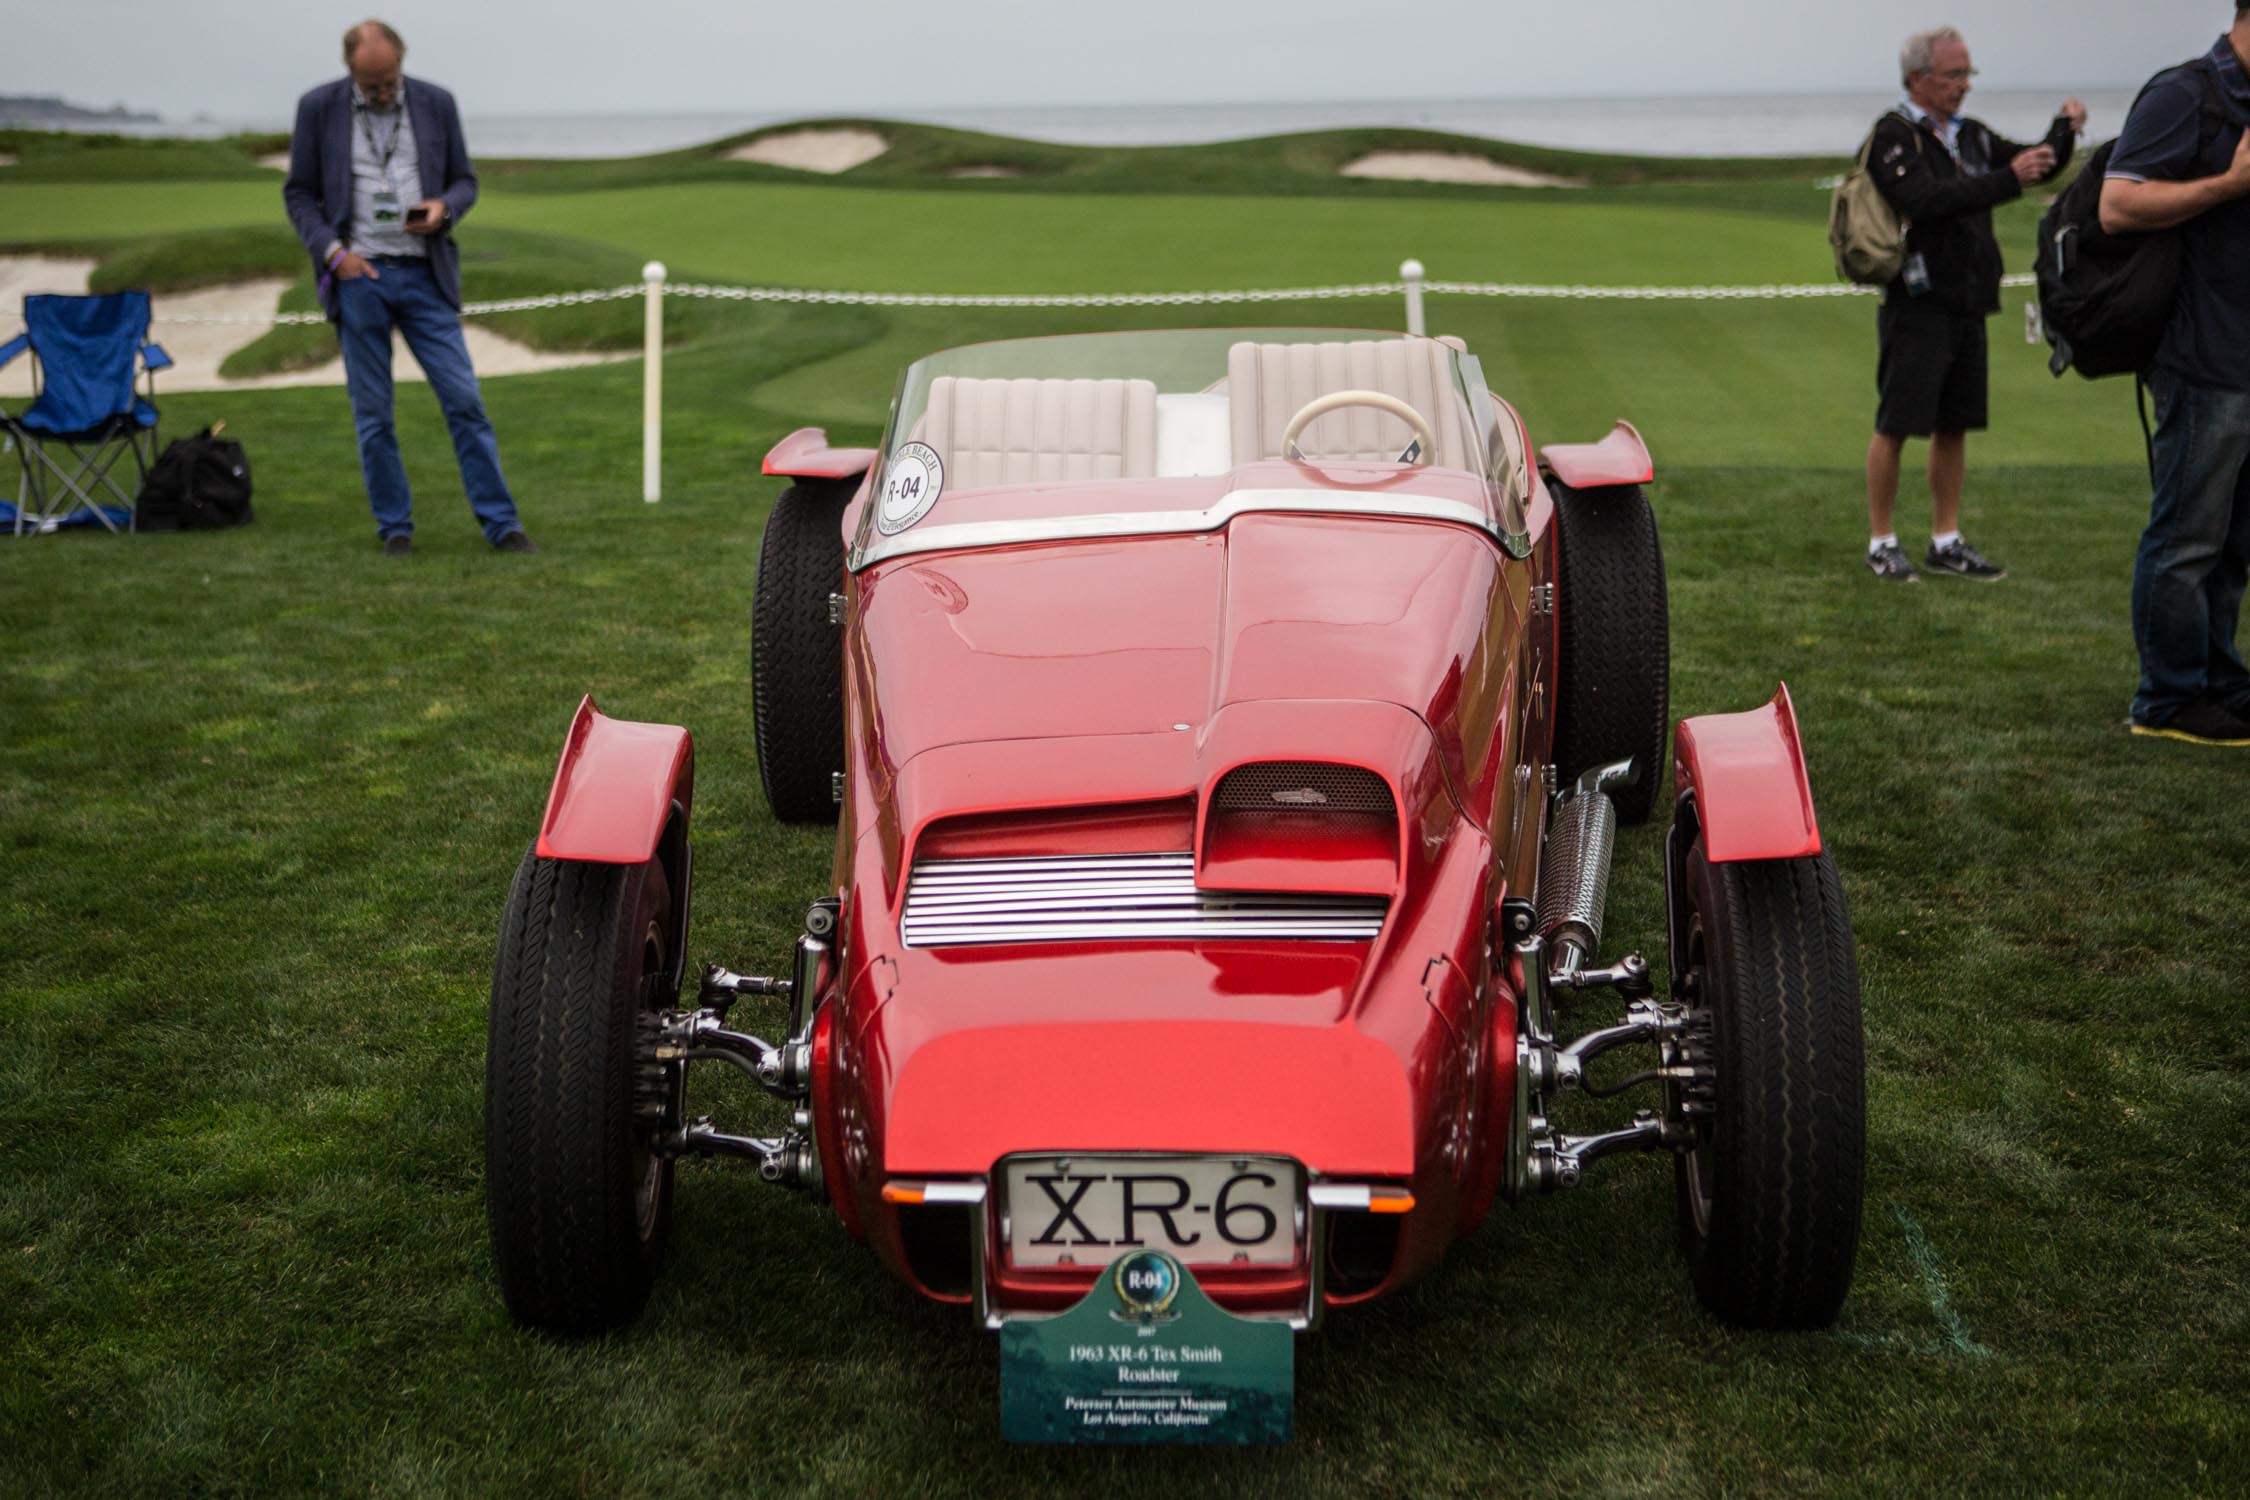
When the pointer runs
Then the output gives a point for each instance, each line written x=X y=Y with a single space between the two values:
x=1770 y=1195
x=1613 y=651
x=578 y=1204
x=796 y=656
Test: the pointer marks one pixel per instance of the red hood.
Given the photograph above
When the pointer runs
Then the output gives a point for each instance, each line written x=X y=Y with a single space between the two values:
x=1129 y=1064
x=1153 y=636
x=1124 y=671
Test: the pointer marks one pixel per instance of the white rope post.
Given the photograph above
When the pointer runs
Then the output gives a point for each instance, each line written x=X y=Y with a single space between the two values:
x=652 y=386
x=1411 y=273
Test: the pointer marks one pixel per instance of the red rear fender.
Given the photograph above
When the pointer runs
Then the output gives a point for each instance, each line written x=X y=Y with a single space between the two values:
x=805 y=454
x=1745 y=774
x=615 y=788
x=1620 y=458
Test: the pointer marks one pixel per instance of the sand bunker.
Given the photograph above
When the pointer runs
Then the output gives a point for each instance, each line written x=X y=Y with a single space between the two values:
x=22 y=275
x=275 y=161
x=7 y=158
x=833 y=150
x=986 y=169
x=198 y=349
x=1449 y=166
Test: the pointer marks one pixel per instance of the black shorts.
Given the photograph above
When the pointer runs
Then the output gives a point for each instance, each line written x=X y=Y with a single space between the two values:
x=1932 y=374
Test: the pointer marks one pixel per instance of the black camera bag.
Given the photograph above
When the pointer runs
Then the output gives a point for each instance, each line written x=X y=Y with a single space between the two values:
x=199 y=483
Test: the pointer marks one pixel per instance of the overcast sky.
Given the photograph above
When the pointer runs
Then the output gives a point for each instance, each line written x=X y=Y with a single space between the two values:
x=248 y=59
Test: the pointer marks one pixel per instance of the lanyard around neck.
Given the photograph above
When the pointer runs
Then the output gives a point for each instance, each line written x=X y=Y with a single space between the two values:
x=383 y=153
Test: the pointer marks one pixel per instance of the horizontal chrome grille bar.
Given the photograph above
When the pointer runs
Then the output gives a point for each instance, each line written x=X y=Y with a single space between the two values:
x=1145 y=896
x=1181 y=860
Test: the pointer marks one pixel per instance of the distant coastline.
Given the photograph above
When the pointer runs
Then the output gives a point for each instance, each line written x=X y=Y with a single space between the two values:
x=1695 y=126
x=53 y=112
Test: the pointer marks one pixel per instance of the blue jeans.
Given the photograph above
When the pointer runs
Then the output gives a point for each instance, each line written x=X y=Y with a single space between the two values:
x=2195 y=556
x=406 y=296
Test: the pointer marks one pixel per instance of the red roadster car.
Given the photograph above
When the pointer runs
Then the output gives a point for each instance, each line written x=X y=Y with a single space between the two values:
x=1226 y=733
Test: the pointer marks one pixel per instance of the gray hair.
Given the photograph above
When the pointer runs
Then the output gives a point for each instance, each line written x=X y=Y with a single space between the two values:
x=1920 y=49
x=376 y=30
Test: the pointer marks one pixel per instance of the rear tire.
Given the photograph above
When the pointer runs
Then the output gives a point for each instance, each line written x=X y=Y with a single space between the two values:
x=1613 y=653
x=579 y=1204
x=1770 y=1195
x=796 y=656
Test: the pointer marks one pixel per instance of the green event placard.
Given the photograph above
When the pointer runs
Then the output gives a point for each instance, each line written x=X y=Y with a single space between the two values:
x=1146 y=1357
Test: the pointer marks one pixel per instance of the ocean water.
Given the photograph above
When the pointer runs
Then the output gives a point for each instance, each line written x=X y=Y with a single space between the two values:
x=1704 y=125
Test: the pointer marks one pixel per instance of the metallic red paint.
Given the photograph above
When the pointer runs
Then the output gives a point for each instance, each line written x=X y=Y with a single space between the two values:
x=1086 y=697
x=998 y=694
x=1096 y=650
x=1746 y=775
x=614 y=787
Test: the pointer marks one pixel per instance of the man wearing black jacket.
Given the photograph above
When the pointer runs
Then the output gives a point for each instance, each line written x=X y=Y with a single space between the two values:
x=1944 y=173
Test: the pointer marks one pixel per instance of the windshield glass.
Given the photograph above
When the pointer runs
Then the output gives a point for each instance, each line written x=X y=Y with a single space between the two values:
x=1124 y=423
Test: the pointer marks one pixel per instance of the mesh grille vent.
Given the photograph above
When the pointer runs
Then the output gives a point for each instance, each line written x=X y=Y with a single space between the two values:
x=1281 y=786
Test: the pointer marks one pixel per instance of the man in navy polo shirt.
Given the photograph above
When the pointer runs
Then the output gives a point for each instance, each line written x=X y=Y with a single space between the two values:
x=378 y=176
x=2189 y=574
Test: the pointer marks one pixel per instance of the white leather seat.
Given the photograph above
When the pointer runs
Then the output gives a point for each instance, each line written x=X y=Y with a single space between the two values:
x=992 y=432
x=1268 y=383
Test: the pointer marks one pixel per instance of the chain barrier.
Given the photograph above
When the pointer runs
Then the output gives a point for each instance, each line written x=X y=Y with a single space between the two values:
x=816 y=296
x=1413 y=285
x=468 y=309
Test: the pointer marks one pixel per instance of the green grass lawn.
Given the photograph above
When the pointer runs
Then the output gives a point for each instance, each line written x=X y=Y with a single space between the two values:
x=261 y=794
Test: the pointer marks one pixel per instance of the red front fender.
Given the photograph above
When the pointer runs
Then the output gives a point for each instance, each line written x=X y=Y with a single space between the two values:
x=1745 y=774
x=615 y=788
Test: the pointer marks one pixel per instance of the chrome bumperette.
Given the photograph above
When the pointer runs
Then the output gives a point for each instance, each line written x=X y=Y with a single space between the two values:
x=1143 y=896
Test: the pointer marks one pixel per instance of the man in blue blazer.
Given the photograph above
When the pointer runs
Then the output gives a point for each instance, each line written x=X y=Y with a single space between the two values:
x=378 y=177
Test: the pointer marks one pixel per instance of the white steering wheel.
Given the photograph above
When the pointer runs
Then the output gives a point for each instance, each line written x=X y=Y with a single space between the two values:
x=1417 y=452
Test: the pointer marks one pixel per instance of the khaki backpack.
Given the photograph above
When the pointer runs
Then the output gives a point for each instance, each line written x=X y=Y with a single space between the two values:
x=1866 y=233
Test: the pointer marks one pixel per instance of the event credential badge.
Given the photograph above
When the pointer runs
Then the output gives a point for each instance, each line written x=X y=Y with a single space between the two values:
x=1146 y=1357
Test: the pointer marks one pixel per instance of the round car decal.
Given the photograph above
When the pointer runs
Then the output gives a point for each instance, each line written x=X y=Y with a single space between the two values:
x=1147 y=1281
x=911 y=486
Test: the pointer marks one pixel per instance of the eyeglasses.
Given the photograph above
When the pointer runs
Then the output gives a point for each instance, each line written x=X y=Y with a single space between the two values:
x=1956 y=75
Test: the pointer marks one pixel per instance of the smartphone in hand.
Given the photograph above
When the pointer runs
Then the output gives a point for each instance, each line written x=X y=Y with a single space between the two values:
x=418 y=216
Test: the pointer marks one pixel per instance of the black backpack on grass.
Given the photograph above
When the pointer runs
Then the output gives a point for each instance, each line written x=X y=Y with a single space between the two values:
x=199 y=483
x=2105 y=298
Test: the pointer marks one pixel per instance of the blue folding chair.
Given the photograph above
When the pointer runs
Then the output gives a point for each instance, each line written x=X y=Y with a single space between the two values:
x=85 y=355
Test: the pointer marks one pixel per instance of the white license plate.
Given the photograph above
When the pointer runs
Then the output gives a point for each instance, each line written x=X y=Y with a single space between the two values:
x=1207 y=1210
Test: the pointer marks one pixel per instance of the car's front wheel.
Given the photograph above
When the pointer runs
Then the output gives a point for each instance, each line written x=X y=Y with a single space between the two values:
x=578 y=1199
x=1770 y=1192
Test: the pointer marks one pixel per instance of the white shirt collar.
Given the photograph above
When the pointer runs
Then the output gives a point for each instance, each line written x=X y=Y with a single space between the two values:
x=359 y=100
x=1948 y=131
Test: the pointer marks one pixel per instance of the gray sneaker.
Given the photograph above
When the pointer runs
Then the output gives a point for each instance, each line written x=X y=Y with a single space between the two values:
x=1889 y=562
x=1963 y=561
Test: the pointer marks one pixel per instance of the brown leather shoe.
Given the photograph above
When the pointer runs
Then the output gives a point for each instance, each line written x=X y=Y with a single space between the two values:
x=398 y=546
x=514 y=541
